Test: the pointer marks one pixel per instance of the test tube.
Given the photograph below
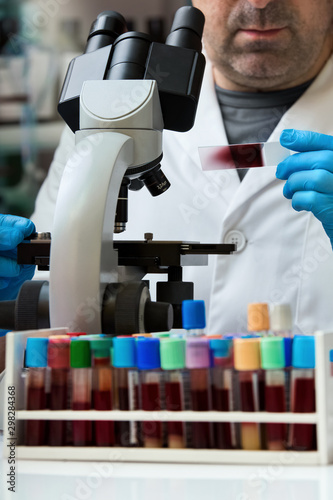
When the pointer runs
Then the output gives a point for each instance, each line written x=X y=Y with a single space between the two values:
x=198 y=362
x=331 y=360
x=102 y=389
x=281 y=320
x=126 y=388
x=258 y=318
x=288 y=345
x=161 y=335
x=176 y=387
x=151 y=386
x=247 y=363
x=58 y=360
x=76 y=334
x=301 y=436
x=80 y=358
x=273 y=362
x=145 y=335
x=36 y=361
x=223 y=390
x=194 y=317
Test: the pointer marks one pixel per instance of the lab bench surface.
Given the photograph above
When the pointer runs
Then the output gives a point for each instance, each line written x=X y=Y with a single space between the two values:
x=40 y=480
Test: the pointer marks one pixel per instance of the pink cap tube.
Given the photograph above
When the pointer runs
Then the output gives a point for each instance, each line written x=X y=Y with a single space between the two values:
x=197 y=353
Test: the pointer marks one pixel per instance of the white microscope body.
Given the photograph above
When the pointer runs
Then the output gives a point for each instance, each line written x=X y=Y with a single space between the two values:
x=121 y=125
x=117 y=98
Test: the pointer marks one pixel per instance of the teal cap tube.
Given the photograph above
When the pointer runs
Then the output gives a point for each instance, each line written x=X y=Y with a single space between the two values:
x=36 y=352
x=124 y=352
x=303 y=355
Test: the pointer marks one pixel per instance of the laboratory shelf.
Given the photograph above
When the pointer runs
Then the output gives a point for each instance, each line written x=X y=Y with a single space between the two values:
x=169 y=416
x=167 y=455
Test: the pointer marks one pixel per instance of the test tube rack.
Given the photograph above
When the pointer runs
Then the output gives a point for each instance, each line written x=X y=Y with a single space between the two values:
x=323 y=418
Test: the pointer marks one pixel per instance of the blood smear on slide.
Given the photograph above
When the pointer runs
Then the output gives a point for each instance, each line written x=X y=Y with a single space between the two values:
x=238 y=156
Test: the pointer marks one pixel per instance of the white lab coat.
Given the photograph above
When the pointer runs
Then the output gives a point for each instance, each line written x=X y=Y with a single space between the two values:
x=288 y=256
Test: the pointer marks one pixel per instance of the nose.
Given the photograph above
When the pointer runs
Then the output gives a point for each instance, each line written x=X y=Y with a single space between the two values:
x=259 y=4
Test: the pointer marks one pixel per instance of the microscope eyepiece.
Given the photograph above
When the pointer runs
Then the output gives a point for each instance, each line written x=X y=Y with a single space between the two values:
x=187 y=28
x=105 y=30
x=129 y=56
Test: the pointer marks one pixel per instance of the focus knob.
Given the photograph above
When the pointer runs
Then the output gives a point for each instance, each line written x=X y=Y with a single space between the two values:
x=127 y=309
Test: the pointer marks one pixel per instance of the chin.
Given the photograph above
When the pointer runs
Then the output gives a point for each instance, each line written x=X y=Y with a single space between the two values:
x=261 y=72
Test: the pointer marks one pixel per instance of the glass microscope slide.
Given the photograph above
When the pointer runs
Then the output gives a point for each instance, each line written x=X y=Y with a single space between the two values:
x=240 y=156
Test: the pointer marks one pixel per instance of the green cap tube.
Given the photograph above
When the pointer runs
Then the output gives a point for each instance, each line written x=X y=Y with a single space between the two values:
x=172 y=354
x=80 y=354
x=272 y=353
x=100 y=347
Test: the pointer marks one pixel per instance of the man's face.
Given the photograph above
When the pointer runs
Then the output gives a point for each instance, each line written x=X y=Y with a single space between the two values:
x=267 y=44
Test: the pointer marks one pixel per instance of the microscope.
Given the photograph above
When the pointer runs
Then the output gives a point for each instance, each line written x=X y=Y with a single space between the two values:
x=117 y=98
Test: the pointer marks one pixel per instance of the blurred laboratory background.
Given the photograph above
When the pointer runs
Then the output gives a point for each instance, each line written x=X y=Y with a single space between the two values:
x=38 y=38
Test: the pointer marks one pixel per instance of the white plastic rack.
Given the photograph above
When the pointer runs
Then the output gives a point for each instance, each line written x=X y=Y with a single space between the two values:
x=323 y=418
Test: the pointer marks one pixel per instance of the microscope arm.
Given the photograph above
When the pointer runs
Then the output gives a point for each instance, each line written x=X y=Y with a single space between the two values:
x=80 y=266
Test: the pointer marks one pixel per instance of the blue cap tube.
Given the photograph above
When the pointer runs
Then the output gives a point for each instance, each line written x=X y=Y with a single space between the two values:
x=148 y=353
x=193 y=314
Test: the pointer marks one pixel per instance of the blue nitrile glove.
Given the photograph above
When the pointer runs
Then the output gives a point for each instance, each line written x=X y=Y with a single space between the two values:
x=309 y=174
x=13 y=230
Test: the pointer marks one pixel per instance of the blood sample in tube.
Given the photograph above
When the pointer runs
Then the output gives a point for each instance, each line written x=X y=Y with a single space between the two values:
x=198 y=362
x=58 y=359
x=36 y=361
x=176 y=384
x=273 y=362
x=247 y=363
x=151 y=380
x=302 y=436
x=126 y=388
x=102 y=389
x=81 y=390
x=223 y=391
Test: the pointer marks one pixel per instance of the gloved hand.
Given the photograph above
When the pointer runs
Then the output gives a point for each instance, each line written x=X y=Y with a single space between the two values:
x=309 y=174
x=13 y=230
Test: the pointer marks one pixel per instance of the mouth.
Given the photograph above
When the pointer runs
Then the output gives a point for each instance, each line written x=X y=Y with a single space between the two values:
x=266 y=33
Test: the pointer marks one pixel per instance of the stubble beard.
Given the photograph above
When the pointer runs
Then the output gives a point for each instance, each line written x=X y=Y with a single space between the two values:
x=265 y=64
x=263 y=67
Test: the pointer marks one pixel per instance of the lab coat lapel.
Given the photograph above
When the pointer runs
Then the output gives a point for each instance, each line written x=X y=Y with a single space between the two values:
x=209 y=130
x=310 y=112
